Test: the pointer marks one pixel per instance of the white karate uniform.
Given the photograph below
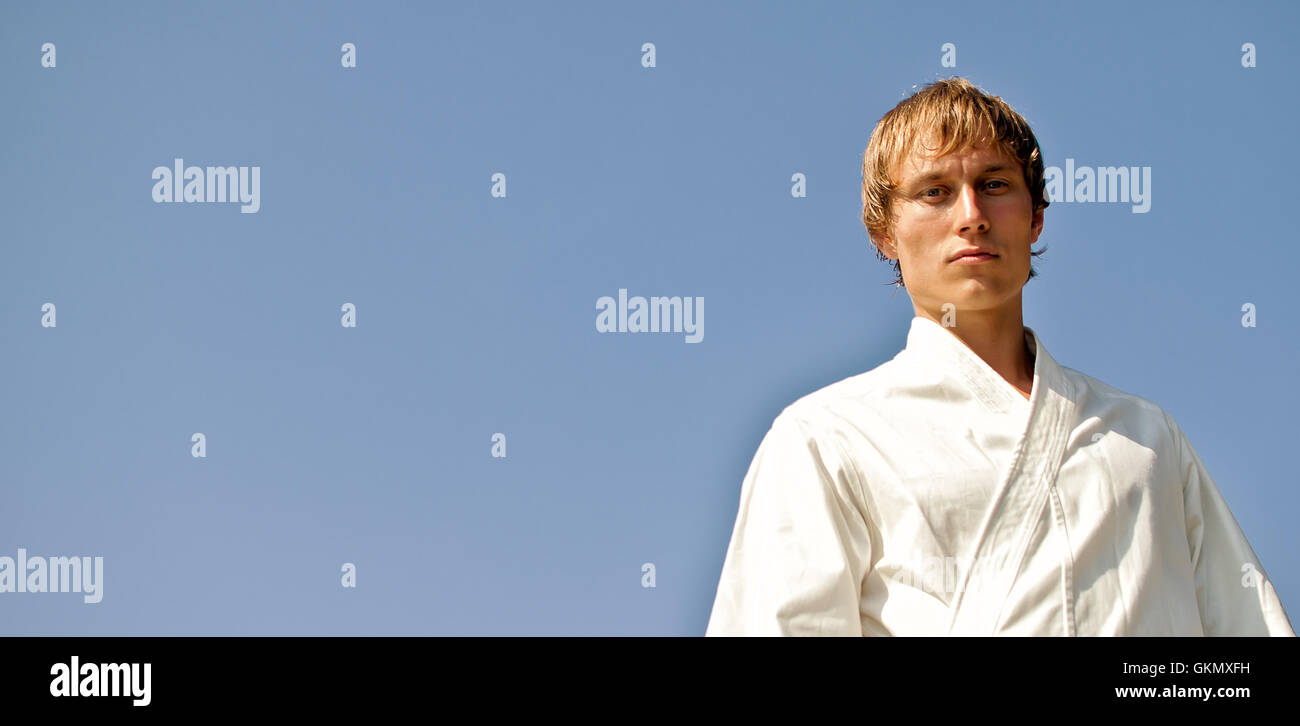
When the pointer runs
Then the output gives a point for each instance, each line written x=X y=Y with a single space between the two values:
x=928 y=497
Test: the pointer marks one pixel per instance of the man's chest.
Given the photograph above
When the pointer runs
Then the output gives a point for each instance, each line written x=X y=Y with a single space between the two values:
x=953 y=493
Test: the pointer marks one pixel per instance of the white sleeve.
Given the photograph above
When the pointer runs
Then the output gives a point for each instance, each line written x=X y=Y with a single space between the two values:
x=1233 y=593
x=800 y=548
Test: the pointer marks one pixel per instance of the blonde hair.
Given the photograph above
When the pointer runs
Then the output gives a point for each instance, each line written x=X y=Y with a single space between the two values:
x=961 y=115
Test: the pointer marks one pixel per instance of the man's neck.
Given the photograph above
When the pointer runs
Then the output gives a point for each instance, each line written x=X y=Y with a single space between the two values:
x=997 y=337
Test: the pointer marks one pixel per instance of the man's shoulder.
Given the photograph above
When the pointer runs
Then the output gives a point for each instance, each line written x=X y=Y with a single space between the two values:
x=840 y=399
x=1093 y=395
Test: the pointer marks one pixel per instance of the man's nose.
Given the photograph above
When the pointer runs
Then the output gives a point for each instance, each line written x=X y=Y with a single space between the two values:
x=971 y=211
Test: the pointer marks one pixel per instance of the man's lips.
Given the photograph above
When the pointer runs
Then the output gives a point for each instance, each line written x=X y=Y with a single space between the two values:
x=973 y=259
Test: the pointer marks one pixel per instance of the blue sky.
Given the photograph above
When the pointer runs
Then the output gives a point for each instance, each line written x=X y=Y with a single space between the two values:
x=475 y=314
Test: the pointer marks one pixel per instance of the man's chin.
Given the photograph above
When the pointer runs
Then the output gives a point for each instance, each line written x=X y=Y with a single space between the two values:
x=975 y=294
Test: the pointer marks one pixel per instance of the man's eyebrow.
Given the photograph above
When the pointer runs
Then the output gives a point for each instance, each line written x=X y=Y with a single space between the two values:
x=939 y=175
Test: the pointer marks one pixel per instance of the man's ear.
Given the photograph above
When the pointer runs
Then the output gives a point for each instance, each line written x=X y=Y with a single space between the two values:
x=1036 y=225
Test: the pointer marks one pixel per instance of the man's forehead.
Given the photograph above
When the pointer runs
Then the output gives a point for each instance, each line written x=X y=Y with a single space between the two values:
x=917 y=163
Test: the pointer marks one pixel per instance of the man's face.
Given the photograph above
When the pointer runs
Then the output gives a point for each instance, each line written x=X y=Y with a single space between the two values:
x=946 y=205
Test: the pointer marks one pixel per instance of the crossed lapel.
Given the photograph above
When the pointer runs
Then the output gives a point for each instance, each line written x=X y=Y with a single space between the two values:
x=1021 y=501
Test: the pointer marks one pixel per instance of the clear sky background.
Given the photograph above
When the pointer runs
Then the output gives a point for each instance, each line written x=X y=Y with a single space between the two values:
x=476 y=315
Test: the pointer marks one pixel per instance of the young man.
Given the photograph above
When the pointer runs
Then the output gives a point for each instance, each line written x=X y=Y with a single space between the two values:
x=971 y=485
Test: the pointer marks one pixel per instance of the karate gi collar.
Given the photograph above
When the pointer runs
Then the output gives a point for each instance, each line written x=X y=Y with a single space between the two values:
x=934 y=344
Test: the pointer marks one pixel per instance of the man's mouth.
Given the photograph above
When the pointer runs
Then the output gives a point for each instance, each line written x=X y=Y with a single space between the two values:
x=975 y=258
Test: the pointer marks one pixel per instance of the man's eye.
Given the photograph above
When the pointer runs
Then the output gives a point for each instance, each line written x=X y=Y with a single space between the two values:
x=927 y=193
